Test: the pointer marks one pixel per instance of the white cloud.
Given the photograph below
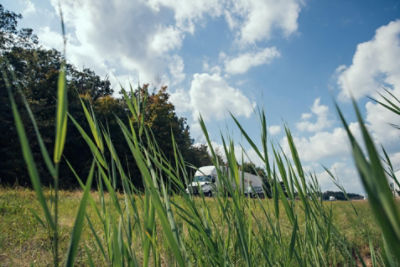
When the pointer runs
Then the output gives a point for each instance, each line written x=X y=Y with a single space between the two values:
x=79 y=55
x=241 y=153
x=181 y=100
x=232 y=23
x=128 y=37
x=379 y=122
x=322 y=121
x=211 y=69
x=142 y=39
x=29 y=8
x=50 y=39
x=245 y=61
x=375 y=64
x=346 y=176
x=187 y=13
x=257 y=19
x=323 y=144
x=395 y=159
x=212 y=97
x=274 y=129
x=166 y=39
x=176 y=68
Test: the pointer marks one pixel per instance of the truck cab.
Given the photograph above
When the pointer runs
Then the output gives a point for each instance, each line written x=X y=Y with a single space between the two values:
x=204 y=180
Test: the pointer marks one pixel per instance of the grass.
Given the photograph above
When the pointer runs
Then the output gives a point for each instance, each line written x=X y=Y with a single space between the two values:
x=161 y=227
x=24 y=241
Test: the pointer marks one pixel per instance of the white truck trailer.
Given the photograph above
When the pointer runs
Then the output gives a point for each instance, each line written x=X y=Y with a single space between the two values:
x=206 y=180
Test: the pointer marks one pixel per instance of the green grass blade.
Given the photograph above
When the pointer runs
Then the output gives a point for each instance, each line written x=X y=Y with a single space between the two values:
x=374 y=180
x=79 y=220
x=42 y=146
x=37 y=217
x=61 y=116
x=91 y=119
x=252 y=144
x=27 y=154
x=91 y=144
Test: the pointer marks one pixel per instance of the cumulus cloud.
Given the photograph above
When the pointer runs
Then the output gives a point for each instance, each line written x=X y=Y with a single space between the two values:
x=80 y=55
x=142 y=40
x=29 y=8
x=346 y=176
x=380 y=122
x=212 y=97
x=322 y=121
x=241 y=153
x=245 y=61
x=375 y=65
x=180 y=98
x=166 y=39
x=274 y=129
x=323 y=144
x=137 y=37
x=187 y=13
x=176 y=69
x=257 y=19
x=142 y=37
x=50 y=39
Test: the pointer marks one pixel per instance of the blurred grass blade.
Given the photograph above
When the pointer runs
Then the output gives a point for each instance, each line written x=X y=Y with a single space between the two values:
x=79 y=220
x=94 y=128
x=61 y=116
x=90 y=143
x=376 y=185
x=27 y=154
x=37 y=217
x=42 y=146
x=253 y=145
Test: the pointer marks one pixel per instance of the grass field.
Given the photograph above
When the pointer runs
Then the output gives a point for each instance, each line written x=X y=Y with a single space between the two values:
x=24 y=241
x=161 y=225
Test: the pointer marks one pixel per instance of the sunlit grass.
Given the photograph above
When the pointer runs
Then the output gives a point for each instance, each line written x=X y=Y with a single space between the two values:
x=24 y=241
x=161 y=224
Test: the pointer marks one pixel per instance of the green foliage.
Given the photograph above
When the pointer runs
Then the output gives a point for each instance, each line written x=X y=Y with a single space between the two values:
x=33 y=73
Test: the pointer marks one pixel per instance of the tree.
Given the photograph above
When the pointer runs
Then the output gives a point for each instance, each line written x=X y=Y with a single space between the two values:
x=161 y=118
x=250 y=167
x=33 y=71
x=10 y=36
x=87 y=83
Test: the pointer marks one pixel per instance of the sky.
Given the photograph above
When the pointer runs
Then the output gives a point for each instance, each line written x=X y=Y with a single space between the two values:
x=291 y=58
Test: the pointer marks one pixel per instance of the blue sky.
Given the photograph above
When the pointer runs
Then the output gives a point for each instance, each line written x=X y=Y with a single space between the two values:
x=290 y=57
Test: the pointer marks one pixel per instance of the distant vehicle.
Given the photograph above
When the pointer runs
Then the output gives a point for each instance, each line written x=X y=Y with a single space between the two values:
x=332 y=198
x=254 y=192
x=206 y=180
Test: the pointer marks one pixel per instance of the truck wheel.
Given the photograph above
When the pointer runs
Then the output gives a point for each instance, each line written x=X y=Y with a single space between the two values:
x=208 y=194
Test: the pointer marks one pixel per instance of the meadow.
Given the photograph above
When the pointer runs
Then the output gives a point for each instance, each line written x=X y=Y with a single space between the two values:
x=24 y=241
x=119 y=224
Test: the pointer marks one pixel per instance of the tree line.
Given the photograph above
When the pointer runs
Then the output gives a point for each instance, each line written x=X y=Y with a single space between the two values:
x=31 y=72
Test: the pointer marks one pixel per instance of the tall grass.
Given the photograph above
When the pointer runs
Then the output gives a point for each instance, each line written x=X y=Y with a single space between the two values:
x=176 y=228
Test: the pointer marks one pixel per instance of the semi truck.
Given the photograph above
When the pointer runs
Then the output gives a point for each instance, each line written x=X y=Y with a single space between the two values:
x=206 y=181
